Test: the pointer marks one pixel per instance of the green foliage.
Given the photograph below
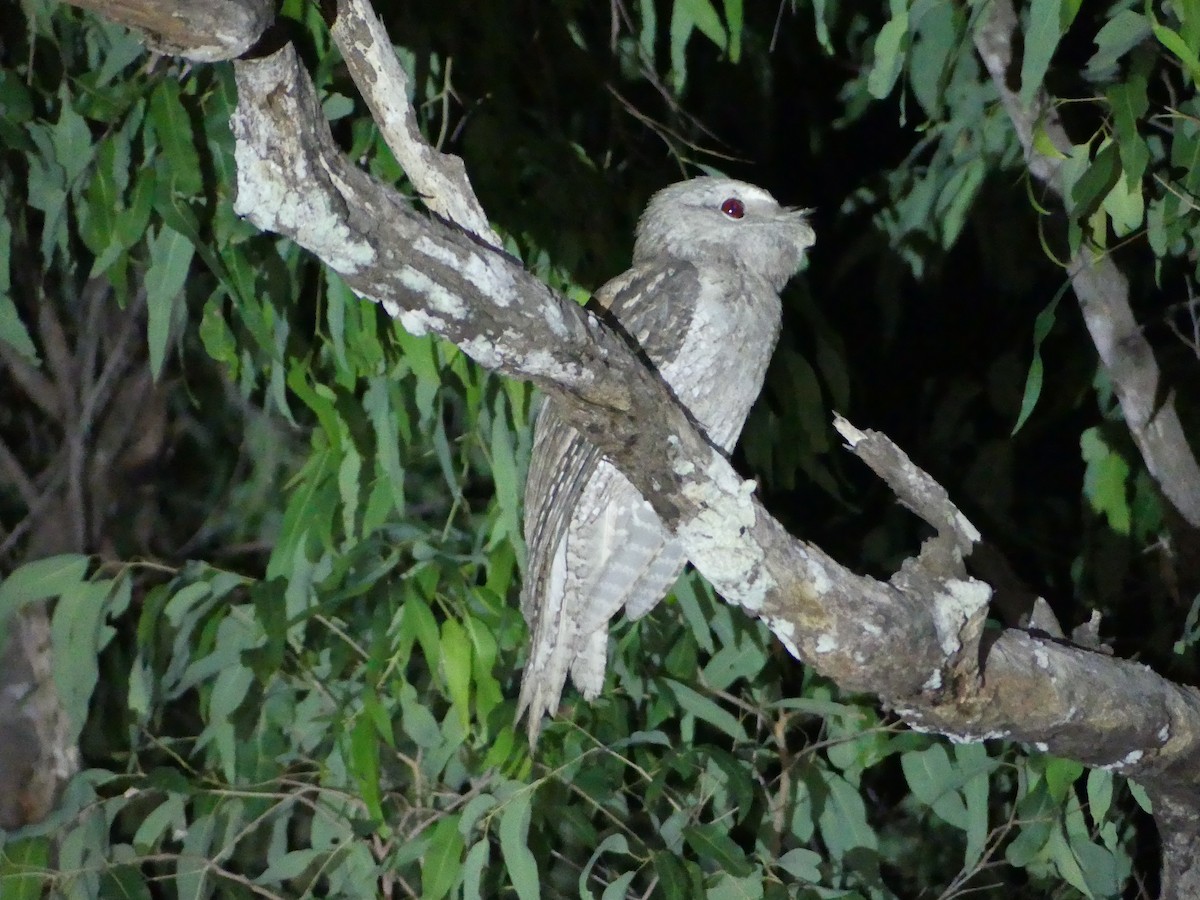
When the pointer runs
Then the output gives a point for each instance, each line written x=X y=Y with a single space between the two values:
x=330 y=711
x=1048 y=22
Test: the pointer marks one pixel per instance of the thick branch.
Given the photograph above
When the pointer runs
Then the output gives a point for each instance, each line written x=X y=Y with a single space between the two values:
x=1102 y=290
x=292 y=179
x=201 y=30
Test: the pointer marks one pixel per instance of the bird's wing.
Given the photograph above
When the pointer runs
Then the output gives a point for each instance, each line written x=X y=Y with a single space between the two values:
x=563 y=461
x=557 y=602
x=652 y=305
x=560 y=465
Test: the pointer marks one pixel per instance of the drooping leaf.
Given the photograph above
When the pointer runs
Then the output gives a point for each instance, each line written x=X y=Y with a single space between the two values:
x=170 y=260
x=1178 y=46
x=735 y=17
x=41 y=579
x=77 y=636
x=1042 y=326
x=889 y=52
x=1095 y=183
x=1129 y=104
x=1105 y=481
x=473 y=868
x=174 y=131
x=1120 y=34
x=711 y=842
x=442 y=863
x=843 y=818
x=696 y=704
x=456 y=665
x=520 y=863
x=1048 y=21
x=614 y=843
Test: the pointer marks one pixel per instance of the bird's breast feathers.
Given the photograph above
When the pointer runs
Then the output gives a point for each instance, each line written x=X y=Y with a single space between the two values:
x=726 y=345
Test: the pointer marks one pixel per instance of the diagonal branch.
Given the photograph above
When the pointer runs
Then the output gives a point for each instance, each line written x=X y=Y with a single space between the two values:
x=440 y=178
x=292 y=179
x=1102 y=289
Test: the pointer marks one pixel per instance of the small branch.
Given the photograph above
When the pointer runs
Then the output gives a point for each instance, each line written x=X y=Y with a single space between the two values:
x=37 y=387
x=439 y=178
x=13 y=473
x=959 y=604
x=96 y=393
x=911 y=485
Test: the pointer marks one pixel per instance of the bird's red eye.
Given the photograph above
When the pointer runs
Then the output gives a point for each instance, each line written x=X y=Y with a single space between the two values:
x=734 y=208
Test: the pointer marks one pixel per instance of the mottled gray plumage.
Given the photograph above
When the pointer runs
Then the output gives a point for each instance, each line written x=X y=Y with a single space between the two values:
x=702 y=303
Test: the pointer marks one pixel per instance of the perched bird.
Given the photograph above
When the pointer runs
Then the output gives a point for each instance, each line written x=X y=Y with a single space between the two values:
x=702 y=303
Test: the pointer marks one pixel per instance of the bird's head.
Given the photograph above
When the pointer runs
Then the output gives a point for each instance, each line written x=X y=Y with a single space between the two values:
x=719 y=220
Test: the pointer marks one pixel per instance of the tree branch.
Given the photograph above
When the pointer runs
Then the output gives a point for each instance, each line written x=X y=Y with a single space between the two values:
x=1102 y=289
x=440 y=178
